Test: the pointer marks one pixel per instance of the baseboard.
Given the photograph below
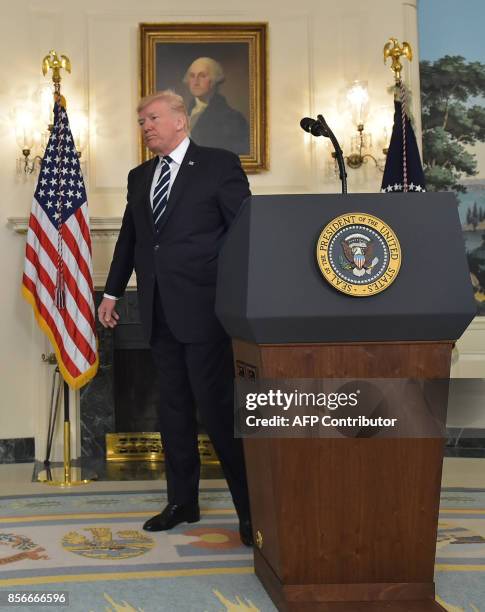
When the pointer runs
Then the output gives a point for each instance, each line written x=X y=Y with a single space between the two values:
x=466 y=442
x=17 y=450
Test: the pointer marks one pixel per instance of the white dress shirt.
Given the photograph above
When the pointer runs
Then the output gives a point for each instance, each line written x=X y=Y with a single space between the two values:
x=177 y=156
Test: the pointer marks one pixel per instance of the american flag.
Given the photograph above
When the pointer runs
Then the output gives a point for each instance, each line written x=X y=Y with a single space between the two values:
x=57 y=278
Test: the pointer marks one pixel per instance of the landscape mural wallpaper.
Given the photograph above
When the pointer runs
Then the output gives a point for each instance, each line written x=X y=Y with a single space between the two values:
x=452 y=72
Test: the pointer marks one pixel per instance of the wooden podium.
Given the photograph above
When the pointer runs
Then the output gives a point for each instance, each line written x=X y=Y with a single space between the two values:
x=343 y=524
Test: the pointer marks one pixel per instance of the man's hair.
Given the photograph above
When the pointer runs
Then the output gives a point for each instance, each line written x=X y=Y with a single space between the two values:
x=215 y=68
x=174 y=101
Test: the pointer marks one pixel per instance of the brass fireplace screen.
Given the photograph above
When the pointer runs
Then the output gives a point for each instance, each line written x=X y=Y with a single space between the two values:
x=147 y=446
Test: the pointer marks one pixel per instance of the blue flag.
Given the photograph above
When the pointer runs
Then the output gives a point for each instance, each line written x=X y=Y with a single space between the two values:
x=403 y=171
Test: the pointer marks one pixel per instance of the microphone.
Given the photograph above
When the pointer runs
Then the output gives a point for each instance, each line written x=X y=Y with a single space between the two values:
x=314 y=126
x=319 y=127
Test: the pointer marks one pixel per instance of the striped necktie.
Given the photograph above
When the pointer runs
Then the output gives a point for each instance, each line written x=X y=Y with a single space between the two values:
x=160 y=194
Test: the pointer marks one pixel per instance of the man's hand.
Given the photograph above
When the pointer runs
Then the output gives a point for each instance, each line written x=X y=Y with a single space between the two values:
x=108 y=317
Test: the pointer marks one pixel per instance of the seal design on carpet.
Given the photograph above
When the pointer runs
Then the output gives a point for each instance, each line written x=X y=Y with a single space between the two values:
x=452 y=534
x=24 y=548
x=230 y=606
x=236 y=606
x=119 y=606
x=103 y=544
x=214 y=538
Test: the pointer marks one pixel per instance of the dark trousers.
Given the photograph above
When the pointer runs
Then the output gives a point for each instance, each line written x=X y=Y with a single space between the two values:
x=201 y=375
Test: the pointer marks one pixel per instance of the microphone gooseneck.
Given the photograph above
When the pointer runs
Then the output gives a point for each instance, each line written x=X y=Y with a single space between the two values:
x=319 y=127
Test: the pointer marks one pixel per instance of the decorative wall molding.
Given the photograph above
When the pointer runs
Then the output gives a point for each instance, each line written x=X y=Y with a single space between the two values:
x=101 y=227
x=99 y=280
x=478 y=324
x=18 y=224
x=472 y=343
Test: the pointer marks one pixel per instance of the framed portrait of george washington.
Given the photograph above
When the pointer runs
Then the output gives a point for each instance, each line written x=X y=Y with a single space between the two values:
x=220 y=69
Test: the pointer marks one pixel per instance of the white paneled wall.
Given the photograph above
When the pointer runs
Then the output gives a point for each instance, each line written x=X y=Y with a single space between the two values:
x=315 y=49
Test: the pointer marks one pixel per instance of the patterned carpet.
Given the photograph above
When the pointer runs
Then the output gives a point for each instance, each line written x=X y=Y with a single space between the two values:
x=92 y=546
x=460 y=554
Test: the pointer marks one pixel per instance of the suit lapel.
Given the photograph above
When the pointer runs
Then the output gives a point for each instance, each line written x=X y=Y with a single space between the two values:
x=181 y=180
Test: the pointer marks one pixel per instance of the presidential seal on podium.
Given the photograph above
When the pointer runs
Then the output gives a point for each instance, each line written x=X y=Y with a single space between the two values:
x=358 y=254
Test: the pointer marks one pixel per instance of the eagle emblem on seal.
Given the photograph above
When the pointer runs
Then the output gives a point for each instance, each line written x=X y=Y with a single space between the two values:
x=358 y=253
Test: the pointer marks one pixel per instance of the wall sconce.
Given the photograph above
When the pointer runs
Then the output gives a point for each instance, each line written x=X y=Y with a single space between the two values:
x=358 y=102
x=79 y=130
x=33 y=124
x=364 y=133
x=25 y=136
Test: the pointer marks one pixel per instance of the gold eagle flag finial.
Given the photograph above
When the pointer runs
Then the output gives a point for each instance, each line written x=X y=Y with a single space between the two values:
x=55 y=63
x=395 y=51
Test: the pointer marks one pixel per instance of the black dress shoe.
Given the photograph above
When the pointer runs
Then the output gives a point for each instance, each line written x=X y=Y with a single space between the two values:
x=246 y=532
x=172 y=515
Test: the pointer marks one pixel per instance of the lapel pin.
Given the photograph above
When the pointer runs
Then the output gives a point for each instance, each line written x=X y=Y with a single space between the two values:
x=191 y=163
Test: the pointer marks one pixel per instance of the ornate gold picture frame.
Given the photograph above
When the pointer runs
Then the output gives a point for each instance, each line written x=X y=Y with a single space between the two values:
x=232 y=112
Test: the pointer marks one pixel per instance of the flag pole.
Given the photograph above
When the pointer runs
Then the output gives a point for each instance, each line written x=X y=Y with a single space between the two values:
x=403 y=171
x=67 y=476
x=395 y=51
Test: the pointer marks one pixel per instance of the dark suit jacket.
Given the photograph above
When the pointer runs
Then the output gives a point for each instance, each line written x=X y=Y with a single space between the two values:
x=182 y=257
x=222 y=126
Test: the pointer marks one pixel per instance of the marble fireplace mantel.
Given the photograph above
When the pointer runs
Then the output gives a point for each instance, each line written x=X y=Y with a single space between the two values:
x=101 y=227
x=104 y=232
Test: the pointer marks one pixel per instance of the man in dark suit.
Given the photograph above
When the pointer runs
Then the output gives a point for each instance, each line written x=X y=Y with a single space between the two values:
x=179 y=207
